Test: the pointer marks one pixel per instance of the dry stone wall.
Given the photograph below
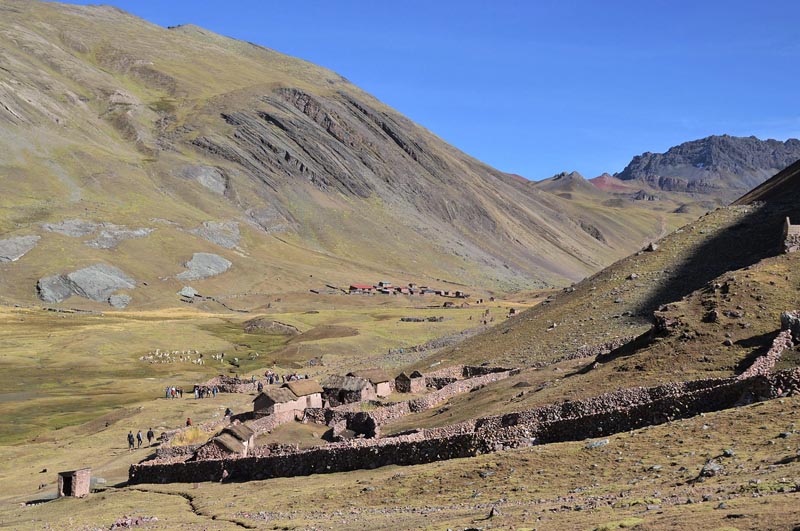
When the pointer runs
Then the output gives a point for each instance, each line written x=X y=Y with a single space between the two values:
x=598 y=416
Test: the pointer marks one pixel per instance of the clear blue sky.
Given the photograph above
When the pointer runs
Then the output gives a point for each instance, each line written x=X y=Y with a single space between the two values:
x=539 y=87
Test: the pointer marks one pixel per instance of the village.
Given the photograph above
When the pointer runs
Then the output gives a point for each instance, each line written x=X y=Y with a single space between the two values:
x=387 y=288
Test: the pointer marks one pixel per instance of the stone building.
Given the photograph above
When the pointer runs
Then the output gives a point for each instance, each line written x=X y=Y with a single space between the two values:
x=379 y=380
x=413 y=383
x=74 y=483
x=293 y=396
x=791 y=237
x=308 y=390
x=338 y=390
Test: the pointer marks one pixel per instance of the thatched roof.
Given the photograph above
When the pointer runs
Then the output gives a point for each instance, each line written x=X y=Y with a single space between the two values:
x=417 y=374
x=279 y=395
x=240 y=431
x=375 y=376
x=304 y=387
x=345 y=383
x=229 y=442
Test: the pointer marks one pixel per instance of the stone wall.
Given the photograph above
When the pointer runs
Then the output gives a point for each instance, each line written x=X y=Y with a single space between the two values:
x=764 y=364
x=598 y=416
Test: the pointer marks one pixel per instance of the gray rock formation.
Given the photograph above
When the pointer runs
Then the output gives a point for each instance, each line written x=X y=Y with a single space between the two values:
x=223 y=233
x=12 y=249
x=76 y=228
x=53 y=289
x=204 y=265
x=112 y=235
x=719 y=165
x=97 y=282
x=188 y=292
x=208 y=176
x=119 y=301
x=109 y=237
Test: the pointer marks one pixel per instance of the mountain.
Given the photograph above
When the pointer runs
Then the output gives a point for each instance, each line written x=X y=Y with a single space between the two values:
x=178 y=155
x=722 y=166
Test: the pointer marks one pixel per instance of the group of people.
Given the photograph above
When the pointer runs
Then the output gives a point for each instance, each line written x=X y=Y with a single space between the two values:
x=204 y=391
x=136 y=442
x=173 y=392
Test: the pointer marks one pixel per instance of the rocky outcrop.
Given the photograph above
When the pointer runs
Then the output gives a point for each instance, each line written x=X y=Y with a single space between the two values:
x=12 y=249
x=720 y=165
x=204 y=265
x=75 y=228
x=97 y=282
x=223 y=233
x=208 y=176
x=109 y=237
x=112 y=235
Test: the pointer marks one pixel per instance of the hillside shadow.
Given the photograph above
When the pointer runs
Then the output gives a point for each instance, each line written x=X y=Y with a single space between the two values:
x=747 y=241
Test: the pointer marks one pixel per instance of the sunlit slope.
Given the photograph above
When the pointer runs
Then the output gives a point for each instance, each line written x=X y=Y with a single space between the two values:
x=109 y=119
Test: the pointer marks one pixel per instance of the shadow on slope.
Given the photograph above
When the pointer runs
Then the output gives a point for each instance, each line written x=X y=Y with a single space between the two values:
x=753 y=238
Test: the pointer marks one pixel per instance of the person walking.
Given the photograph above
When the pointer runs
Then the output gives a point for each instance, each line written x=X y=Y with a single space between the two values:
x=130 y=441
x=139 y=439
x=150 y=436
x=188 y=421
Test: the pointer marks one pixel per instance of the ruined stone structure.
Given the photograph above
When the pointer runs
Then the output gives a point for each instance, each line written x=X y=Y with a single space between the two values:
x=338 y=390
x=235 y=440
x=74 y=483
x=791 y=237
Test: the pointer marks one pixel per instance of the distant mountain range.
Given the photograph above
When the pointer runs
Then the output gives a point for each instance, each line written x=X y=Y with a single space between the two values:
x=721 y=166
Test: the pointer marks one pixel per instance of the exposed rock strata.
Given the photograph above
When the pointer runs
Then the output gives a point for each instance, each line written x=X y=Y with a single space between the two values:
x=12 y=249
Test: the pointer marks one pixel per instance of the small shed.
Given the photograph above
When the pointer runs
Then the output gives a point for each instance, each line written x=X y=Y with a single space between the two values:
x=279 y=400
x=338 y=390
x=378 y=378
x=74 y=483
x=306 y=390
x=410 y=383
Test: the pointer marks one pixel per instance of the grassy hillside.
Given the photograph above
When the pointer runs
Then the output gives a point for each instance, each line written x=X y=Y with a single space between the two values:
x=108 y=119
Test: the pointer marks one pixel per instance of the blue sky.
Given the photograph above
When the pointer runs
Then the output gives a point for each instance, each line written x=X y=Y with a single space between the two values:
x=539 y=87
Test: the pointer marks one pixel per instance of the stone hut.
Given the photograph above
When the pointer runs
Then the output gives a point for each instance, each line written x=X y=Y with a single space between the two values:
x=74 y=483
x=272 y=401
x=234 y=440
x=338 y=390
x=308 y=390
x=379 y=380
x=791 y=237
x=413 y=383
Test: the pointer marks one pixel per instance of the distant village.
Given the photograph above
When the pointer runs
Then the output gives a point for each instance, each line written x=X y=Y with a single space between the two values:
x=387 y=288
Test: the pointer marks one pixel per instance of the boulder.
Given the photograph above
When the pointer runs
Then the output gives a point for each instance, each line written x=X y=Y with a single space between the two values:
x=53 y=289
x=223 y=233
x=188 y=292
x=119 y=301
x=204 y=265
x=98 y=282
x=791 y=321
x=12 y=249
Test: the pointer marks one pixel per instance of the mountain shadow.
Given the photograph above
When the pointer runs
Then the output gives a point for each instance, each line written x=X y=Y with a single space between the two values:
x=758 y=235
